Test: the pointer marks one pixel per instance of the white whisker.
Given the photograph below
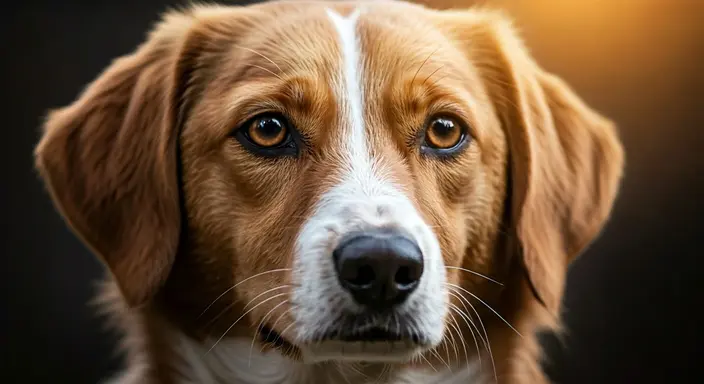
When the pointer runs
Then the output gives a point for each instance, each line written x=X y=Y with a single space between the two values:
x=241 y=317
x=436 y=354
x=464 y=300
x=464 y=317
x=488 y=306
x=256 y=331
x=454 y=344
x=456 y=326
x=474 y=273
x=236 y=285
x=247 y=305
x=267 y=70
x=466 y=312
x=261 y=55
x=426 y=360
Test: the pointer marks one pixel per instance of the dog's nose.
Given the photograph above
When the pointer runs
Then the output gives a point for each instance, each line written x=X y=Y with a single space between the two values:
x=379 y=268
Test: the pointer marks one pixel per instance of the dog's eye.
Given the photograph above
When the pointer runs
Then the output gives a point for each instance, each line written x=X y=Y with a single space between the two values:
x=267 y=131
x=267 y=135
x=444 y=135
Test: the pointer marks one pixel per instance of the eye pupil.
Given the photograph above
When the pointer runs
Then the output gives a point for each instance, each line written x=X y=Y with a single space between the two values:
x=268 y=132
x=443 y=133
x=269 y=127
x=443 y=127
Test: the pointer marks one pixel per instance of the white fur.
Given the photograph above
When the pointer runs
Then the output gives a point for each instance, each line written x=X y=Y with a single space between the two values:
x=365 y=197
x=229 y=363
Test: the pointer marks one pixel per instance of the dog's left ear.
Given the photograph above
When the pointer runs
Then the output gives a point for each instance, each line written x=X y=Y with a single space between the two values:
x=109 y=161
x=566 y=159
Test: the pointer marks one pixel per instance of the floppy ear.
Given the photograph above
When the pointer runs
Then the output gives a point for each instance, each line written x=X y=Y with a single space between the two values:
x=109 y=162
x=566 y=160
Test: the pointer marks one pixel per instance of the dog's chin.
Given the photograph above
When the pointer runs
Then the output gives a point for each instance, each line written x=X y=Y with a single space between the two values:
x=374 y=345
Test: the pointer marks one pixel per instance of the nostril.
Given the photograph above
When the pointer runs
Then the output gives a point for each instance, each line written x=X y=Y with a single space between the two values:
x=403 y=277
x=365 y=276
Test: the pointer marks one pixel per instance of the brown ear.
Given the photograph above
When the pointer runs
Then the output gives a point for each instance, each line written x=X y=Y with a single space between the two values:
x=566 y=159
x=109 y=162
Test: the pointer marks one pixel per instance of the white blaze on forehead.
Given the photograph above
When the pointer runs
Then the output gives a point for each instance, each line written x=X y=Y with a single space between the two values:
x=350 y=93
x=351 y=69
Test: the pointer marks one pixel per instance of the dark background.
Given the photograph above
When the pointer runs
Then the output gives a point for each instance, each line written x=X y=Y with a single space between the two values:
x=632 y=300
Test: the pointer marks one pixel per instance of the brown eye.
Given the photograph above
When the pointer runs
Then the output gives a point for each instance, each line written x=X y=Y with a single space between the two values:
x=444 y=133
x=267 y=132
x=268 y=135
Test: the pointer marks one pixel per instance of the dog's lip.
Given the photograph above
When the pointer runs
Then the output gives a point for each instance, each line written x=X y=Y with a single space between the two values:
x=369 y=345
x=268 y=335
x=372 y=335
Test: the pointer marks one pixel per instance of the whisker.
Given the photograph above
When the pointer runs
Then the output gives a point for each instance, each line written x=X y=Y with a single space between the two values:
x=216 y=317
x=273 y=326
x=474 y=273
x=264 y=293
x=464 y=317
x=431 y=75
x=454 y=343
x=436 y=354
x=278 y=336
x=435 y=82
x=466 y=312
x=236 y=285
x=241 y=317
x=488 y=306
x=261 y=55
x=256 y=331
x=267 y=70
x=422 y=356
x=479 y=318
x=456 y=326
x=458 y=294
x=286 y=329
x=247 y=305
x=422 y=64
x=446 y=344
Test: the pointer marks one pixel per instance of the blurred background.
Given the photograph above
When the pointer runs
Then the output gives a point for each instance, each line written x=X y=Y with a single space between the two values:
x=631 y=302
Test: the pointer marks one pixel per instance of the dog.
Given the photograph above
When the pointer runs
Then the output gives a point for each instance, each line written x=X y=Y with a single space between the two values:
x=332 y=192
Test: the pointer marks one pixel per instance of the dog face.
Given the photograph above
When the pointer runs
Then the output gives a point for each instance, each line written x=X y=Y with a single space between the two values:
x=328 y=172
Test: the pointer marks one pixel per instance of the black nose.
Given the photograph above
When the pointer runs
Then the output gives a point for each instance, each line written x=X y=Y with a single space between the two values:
x=379 y=268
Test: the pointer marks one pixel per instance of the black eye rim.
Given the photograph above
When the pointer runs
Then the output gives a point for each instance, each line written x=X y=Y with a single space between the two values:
x=288 y=147
x=427 y=148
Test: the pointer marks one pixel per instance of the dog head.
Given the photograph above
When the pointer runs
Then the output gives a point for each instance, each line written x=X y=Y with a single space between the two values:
x=335 y=174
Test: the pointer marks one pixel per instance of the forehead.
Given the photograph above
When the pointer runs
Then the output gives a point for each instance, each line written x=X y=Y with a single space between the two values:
x=381 y=41
x=314 y=60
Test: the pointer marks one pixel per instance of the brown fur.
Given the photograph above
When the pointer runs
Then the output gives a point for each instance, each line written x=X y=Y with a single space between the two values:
x=111 y=161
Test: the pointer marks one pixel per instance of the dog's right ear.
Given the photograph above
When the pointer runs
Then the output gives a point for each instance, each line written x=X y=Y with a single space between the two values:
x=109 y=162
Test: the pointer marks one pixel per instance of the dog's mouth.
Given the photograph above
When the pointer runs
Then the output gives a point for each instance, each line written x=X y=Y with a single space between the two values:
x=372 y=335
x=369 y=345
x=269 y=336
